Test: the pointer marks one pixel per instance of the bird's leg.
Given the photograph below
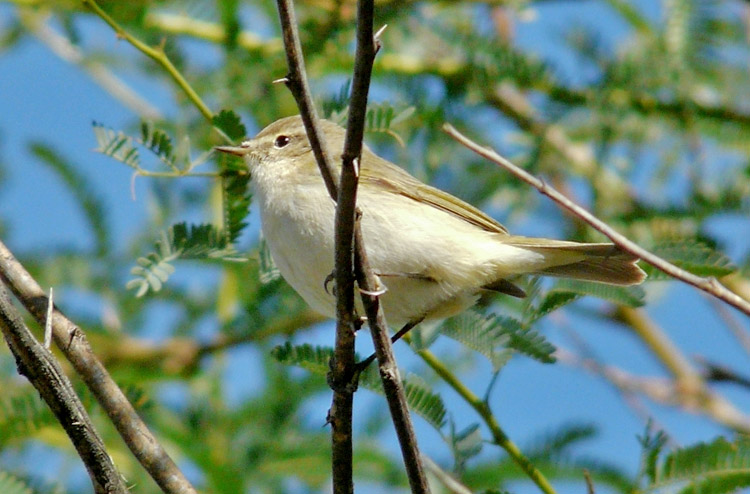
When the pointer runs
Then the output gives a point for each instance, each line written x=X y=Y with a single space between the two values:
x=361 y=366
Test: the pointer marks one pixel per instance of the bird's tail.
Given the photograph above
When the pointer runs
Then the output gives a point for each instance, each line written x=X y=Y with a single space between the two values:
x=604 y=263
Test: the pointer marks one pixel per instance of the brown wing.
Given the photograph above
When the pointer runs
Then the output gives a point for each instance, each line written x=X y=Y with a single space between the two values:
x=400 y=182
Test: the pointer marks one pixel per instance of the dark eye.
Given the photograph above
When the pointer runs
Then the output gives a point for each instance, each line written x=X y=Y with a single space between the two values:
x=281 y=141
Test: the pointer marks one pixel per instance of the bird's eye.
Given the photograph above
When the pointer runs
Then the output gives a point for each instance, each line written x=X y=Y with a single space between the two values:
x=281 y=141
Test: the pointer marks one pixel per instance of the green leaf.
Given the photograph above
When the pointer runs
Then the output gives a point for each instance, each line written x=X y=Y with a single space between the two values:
x=158 y=142
x=21 y=414
x=493 y=336
x=230 y=124
x=179 y=241
x=553 y=445
x=553 y=300
x=713 y=468
x=476 y=331
x=268 y=270
x=12 y=485
x=419 y=397
x=465 y=444
x=632 y=296
x=236 y=203
x=526 y=341
x=693 y=256
x=652 y=445
x=422 y=400
x=316 y=359
x=116 y=145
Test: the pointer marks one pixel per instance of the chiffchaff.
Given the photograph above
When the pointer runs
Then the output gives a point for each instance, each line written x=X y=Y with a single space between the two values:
x=435 y=253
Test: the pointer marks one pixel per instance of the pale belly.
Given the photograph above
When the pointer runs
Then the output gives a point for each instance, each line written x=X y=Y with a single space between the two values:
x=425 y=271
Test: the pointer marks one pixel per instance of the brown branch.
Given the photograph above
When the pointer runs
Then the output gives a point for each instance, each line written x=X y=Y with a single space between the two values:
x=349 y=239
x=343 y=364
x=667 y=391
x=71 y=340
x=296 y=81
x=393 y=387
x=43 y=371
x=708 y=285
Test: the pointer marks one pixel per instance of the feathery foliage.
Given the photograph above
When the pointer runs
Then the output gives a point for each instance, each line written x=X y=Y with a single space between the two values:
x=116 y=145
x=717 y=467
x=420 y=398
x=230 y=124
x=693 y=256
x=495 y=336
x=180 y=241
x=22 y=414
x=11 y=485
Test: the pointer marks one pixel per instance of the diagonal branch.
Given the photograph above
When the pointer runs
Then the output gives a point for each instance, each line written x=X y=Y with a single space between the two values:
x=72 y=341
x=43 y=371
x=156 y=54
x=483 y=410
x=708 y=285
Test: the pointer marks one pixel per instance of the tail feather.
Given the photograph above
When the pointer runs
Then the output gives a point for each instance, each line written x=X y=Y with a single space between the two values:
x=600 y=262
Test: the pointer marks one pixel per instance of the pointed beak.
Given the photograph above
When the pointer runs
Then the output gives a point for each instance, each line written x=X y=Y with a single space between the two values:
x=235 y=150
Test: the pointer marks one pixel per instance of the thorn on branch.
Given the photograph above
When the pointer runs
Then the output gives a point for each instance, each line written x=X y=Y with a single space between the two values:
x=377 y=43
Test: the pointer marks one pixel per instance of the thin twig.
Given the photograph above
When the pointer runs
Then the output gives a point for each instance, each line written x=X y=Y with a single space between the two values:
x=348 y=235
x=666 y=391
x=296 y=81
x=156 y=54
x=481 y=407
x=43 y=371
x=708 y=285
x=48 y=321
x=71 y=340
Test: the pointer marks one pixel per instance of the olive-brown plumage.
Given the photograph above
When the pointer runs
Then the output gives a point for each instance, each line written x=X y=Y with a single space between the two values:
x=435 y=253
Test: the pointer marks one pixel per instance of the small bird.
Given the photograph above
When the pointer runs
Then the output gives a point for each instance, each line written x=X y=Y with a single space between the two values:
x=435 y=254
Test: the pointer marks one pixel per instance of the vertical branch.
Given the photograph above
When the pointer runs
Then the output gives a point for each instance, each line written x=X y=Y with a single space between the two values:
x=346 y=226
x=343 y=364
x=296 y=81
x=348 y=240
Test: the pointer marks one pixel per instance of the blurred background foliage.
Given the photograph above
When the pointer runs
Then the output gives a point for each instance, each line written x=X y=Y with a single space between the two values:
x=637 y=110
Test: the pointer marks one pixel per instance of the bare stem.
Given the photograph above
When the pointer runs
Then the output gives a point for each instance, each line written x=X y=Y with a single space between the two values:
x=72 y=341
x=156 y=54
x=348 y=241
x=343 y=364
x=499 y=436
x=44 y=372
x=708 y=285
x=347 y=229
